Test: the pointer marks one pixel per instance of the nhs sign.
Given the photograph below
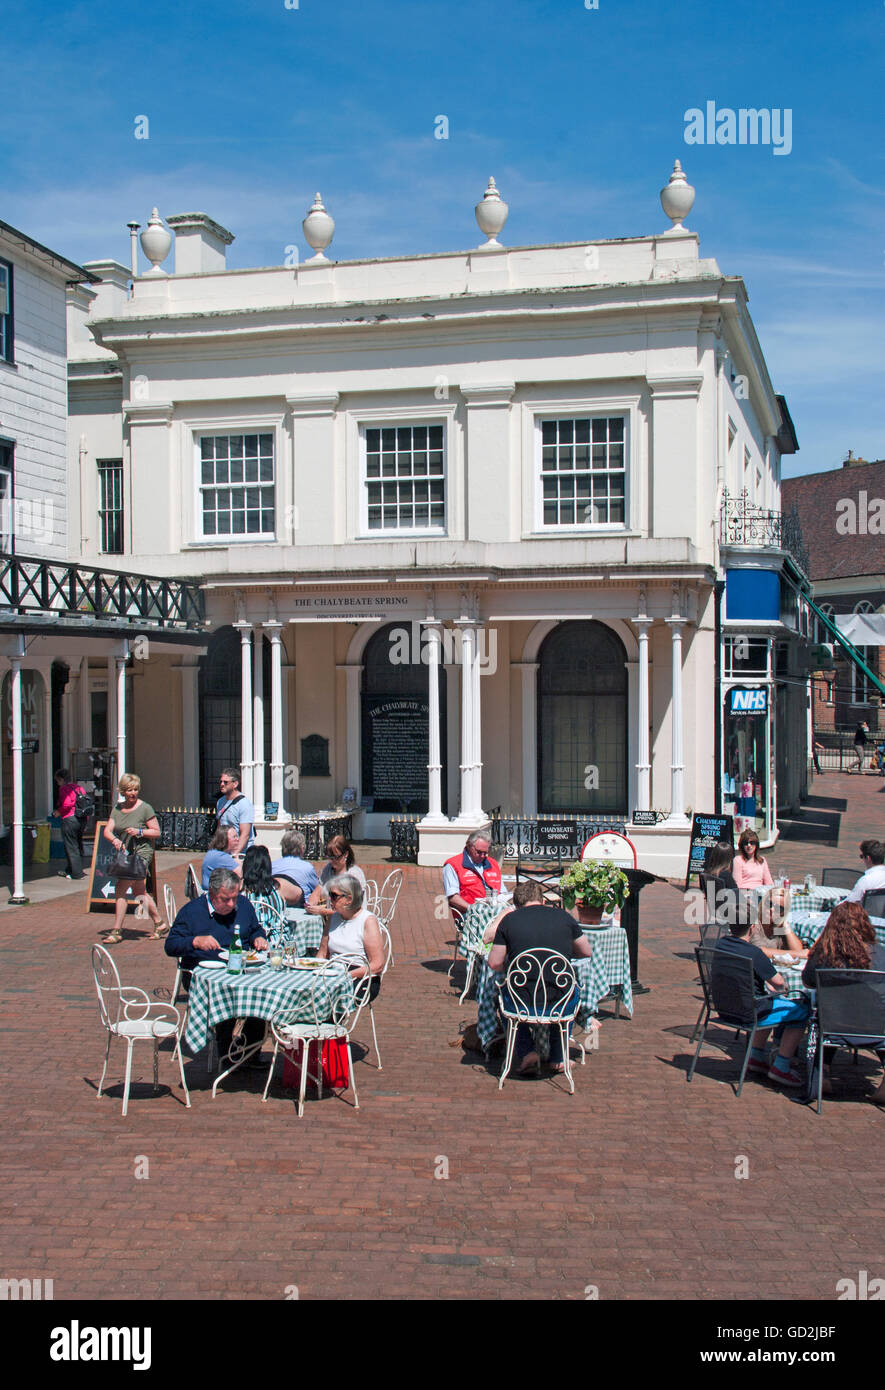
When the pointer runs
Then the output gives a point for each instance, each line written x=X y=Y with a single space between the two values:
x=749 y=701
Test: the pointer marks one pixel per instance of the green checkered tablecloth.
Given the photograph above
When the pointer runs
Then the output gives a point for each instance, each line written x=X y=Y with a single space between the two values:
x=817 y=899
x=305 y=928
x=260 y=992
x=475 y=921
x=808 y=925
x=607 y=969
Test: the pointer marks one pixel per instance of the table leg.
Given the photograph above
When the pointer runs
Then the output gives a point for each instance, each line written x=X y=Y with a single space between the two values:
x=238 y=1054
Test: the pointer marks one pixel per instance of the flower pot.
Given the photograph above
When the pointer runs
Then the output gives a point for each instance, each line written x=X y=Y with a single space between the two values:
x=593 y=916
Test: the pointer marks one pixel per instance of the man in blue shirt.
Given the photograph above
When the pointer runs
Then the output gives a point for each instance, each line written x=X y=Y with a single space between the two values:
x=787 y=1016
x=206 y=926
x=296 y=875
x=233 y=808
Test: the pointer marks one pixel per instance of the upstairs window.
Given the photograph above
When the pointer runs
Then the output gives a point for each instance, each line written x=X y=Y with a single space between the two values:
x=236 y=486
x=110 y=506
x=7 y=337
x=584 y=472
x=404 y=482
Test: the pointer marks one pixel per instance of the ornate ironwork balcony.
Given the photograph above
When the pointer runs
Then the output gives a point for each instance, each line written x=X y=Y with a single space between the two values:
x=742 y=523
x=55 y=589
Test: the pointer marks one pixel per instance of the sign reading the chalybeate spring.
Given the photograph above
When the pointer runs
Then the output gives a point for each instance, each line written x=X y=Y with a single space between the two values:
x=555 y=834
x=706 y=831
x=395 y=734
x=350 y=607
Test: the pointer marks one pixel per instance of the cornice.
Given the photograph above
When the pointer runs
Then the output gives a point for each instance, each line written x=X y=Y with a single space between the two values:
x=148 y=412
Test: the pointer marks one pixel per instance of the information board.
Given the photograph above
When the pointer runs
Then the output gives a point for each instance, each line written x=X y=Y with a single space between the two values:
x=101 y=894
x=395 y=742
x=706 y=831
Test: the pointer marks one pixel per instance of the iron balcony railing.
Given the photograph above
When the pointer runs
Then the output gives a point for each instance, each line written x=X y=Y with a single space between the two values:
x=56 y=589
x=742 y=522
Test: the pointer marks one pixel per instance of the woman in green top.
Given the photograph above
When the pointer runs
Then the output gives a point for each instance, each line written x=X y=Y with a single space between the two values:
x=133 y=826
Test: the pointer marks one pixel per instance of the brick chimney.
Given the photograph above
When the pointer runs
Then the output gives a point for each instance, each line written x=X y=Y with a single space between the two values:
x=200 y=244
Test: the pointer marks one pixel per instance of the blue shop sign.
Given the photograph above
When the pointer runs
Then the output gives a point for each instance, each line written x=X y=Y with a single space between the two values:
x=753 y=701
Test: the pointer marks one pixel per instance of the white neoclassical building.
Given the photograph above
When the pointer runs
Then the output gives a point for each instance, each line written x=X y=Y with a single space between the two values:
x=456 y=518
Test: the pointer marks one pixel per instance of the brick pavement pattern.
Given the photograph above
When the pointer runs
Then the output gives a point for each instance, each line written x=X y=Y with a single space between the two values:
x=628 y=1186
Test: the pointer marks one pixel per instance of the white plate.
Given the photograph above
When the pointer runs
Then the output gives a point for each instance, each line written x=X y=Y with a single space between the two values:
x=211 y=965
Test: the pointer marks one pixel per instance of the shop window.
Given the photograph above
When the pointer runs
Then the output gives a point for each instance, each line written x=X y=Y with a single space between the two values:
x=745 y=656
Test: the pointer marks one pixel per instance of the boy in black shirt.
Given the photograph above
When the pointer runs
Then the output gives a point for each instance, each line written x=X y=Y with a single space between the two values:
x=780 y=1011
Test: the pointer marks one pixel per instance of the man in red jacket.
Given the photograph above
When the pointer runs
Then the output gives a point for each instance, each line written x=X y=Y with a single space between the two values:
x=472 y=875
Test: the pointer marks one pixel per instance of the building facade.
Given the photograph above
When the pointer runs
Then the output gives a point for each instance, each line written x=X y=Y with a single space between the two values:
x=457 y=519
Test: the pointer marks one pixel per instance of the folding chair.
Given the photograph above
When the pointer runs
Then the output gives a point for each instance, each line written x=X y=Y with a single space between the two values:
x=839 y=878
x=729 y=985
x=850 y=1012
x=874 y=903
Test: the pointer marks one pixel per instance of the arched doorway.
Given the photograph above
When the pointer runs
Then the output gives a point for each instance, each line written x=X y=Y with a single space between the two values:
x=220 y=704
x=395 y=721
x=582 y=720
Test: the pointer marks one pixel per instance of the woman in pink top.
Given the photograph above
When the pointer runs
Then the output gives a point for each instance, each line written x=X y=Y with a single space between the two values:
x=750 y=870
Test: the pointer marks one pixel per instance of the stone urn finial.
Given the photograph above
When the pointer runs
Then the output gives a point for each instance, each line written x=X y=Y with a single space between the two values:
x=491 y=214
x=677 y=198
x=156 y=243
x=319 y=228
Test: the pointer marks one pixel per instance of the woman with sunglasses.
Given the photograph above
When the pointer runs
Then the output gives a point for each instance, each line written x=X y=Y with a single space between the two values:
x=352 y=931
x=749 y=869
x=339 y=852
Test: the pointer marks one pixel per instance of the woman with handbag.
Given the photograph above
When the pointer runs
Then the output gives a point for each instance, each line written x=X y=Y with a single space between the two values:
x=131 y=829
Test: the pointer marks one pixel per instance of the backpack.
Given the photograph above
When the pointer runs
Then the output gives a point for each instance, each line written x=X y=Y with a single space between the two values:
x=84 y=806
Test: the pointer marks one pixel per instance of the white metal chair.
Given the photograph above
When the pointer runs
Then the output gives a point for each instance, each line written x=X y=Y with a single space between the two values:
x=539 y=988
x=370 y=897
x=294 y=1035
x=128 y=1013
x=171 y=914
x=388 y=961
x=457 y=920
x=270 y=919
x=192 y=887
x=385 y=903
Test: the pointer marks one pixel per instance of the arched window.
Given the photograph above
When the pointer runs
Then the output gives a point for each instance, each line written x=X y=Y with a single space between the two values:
x=395 y=720
x=220 y=702
x=582 y=720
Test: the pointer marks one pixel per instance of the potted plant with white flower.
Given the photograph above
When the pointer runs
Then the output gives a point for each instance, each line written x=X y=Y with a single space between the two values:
x=596 y=885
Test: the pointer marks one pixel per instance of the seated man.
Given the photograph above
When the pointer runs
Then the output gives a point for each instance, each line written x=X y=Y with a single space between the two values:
x=872 y=853
x=220 y=854
x=471 y=875
x=776 y=1012
x=529 y=926
x=295 y=875
x=205 y=926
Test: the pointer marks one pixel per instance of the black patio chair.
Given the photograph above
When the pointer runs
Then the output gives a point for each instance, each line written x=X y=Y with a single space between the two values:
x=851 y=1013
x=839 y=878
x=729 y=985
x=874 y=903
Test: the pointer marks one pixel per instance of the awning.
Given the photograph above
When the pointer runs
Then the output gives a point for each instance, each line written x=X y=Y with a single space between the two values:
x=862 y=629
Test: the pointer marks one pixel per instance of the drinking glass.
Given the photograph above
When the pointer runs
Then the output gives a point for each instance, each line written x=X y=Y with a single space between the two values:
x=809 y=883
x=275 y=957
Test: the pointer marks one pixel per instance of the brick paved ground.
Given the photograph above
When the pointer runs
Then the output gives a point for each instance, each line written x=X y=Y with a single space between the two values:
x=629 y=1185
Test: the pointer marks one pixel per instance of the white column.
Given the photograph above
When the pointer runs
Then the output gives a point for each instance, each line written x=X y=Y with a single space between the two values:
x=112 y=714
x=477 y=725
x=677 y=767
x=120 y=663
x=467 y=637
x=246 y=763
x=15 y=696
x=190 y=730
x=84 y=739
x=258 y=778
x=274 y=630
x=529 y=671
x=643 y=764
x=434 y=814
x=352 y=674
x=70 y=703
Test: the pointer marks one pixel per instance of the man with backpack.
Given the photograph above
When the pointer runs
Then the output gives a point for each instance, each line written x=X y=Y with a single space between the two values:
x=74 y=806
x=233 y=808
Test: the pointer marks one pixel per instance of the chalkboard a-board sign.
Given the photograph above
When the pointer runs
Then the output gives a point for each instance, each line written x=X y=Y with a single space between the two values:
x=706 y=831
x=101 y=887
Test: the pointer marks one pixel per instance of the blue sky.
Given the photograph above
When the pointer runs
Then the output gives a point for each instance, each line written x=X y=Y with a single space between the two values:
x=578 y=113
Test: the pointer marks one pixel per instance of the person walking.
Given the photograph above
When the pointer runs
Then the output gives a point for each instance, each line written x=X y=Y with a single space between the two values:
x=134 y=826
x=860 y=744
x=72 y=825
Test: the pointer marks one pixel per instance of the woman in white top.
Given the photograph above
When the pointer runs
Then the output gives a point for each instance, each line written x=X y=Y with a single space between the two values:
x=339 y=853
x=352 y=931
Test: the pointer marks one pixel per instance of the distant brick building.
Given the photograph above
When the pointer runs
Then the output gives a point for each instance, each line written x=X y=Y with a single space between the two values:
x=842 y=515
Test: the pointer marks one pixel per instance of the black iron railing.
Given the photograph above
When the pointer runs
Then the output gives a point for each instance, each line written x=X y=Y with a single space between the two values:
x=515 y=836
x=69 y=590
x=404 y=839
x=186 y=828
x=741 y=522
x=318 y=831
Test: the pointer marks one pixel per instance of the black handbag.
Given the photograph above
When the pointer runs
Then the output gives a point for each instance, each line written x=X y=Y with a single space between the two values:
x=126 y=865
